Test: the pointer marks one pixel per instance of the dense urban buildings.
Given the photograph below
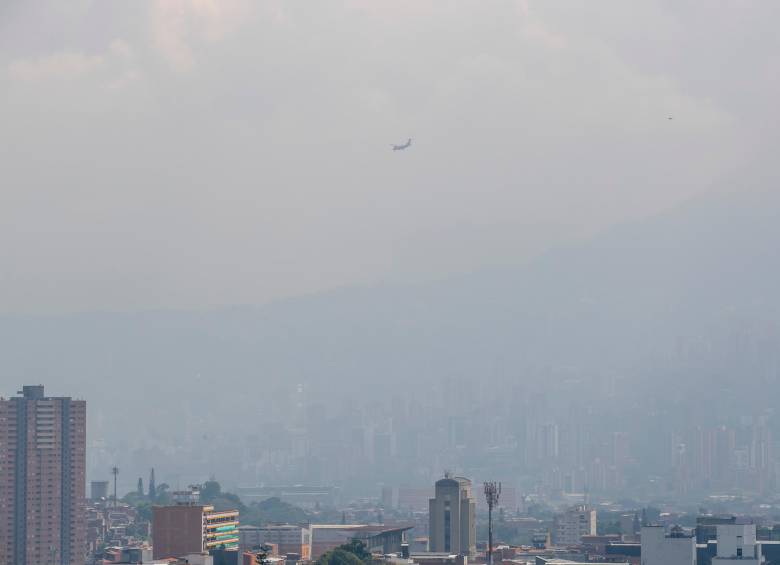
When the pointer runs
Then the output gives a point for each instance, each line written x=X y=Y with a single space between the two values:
x=42 y=479
x=389 y=282
x=557 y=444
x=43 y=441
x=452 y=517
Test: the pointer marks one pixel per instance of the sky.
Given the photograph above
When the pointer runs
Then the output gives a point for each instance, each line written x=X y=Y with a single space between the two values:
x=199 y=154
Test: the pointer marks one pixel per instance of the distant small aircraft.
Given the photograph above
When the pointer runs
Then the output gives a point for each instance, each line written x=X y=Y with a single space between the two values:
x=404 y=146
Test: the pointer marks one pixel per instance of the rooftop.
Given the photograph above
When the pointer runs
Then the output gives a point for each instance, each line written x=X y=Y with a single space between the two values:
x=376 y=528
x=462 y=481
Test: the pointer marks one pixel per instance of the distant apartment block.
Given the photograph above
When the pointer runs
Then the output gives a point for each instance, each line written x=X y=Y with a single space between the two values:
x=406 y=498
x=42 y=482
x=98 y=490
x=571 y=525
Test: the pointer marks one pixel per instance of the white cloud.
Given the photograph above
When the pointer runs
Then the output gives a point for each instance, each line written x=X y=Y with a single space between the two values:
x=121 y=49
x=178 y=26
x=63 y=65
x=124 y=80
x=534 y=30
x=170 y=29
x=68 y=82
x=525 y=122
x=115 y=66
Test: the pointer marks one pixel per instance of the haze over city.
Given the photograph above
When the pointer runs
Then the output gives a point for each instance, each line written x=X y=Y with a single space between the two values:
x=357 y=245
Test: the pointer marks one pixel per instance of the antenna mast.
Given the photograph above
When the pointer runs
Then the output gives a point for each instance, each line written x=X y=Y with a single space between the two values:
x=492 y=494
x=115 y=472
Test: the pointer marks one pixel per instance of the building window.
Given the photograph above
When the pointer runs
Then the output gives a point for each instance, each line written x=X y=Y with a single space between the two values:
x=447 y=529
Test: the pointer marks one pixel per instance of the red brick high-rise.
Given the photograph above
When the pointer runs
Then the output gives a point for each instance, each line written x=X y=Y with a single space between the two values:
x=42 y=483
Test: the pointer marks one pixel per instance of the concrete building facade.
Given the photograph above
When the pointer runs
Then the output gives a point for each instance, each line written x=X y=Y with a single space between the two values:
x=42 y=479
x=737 y=545
x=377 y=538
x=452 y=517
x=288 y=538
x=98 y=490
x=571 y=525
x=675 y=548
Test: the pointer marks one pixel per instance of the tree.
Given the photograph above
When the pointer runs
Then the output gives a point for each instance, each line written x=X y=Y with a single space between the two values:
x=606 y=527
x=133 y=498
x=162 y=496
x=140 y=489
x=152 y=488
x=273 y=510
x=339 y=557
x=228 y=501
x=358 y=549
x=144 y=512
x=210 y=490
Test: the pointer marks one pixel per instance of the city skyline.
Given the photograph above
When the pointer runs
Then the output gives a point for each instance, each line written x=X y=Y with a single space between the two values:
x=389 y=282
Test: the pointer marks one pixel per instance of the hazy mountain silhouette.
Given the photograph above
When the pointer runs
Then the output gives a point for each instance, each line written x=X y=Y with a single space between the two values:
x=639 y=302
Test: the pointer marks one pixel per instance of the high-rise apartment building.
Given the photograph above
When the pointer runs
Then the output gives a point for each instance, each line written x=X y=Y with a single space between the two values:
x=452 y=517
x=190 y=527
x=42 y=482
x=571 y=525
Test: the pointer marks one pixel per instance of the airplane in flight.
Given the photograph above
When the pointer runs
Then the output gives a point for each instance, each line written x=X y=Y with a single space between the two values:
x=404 y=146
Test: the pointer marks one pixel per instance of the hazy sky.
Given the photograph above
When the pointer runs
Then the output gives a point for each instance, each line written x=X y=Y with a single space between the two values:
x=196 y=154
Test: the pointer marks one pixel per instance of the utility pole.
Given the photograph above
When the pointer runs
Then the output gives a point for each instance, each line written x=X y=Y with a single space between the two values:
x=115 y=472
x=492 y=494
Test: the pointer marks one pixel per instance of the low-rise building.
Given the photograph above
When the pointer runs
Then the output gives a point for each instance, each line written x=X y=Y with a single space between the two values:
x=546 y=561
x=382 y=539
x=192 y=528
x=677 y=547
x=737 y=545
x=141 y=554
x=288 y=538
